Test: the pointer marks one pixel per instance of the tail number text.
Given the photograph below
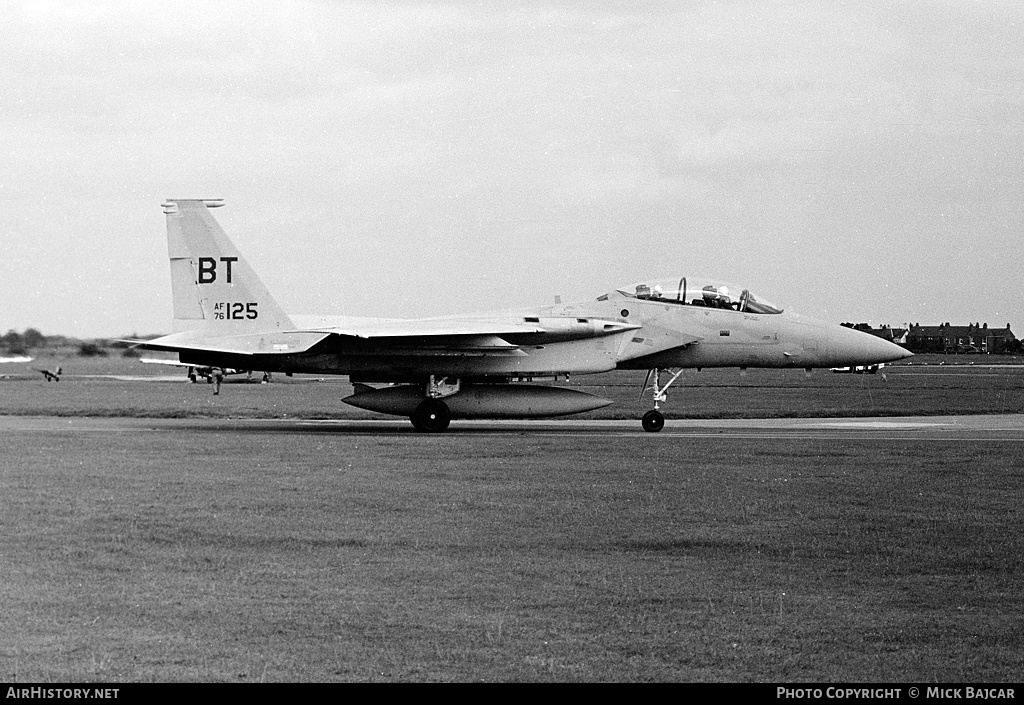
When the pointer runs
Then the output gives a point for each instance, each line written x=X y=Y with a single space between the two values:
x=232 y=311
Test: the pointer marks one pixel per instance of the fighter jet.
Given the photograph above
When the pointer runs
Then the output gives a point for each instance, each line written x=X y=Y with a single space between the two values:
x=50 y=375
x=484 y=366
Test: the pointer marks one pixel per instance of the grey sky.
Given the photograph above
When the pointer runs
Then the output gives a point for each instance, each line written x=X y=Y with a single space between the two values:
x=854 y=161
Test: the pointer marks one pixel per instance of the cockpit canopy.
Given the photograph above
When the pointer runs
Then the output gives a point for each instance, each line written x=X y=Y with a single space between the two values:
x=698 y=291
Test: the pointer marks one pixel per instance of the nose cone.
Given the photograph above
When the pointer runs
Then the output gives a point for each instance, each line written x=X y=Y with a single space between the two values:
x=851 y=347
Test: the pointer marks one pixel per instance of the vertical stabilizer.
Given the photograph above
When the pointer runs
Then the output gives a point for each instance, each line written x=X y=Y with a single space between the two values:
x=213 y=287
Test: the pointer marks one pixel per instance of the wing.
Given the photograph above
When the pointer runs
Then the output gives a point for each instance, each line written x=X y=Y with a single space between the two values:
x=430 y=337
x=368 y=328
x=425 y=336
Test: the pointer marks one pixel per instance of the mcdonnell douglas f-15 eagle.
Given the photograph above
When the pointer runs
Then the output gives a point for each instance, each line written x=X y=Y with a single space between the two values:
x=460 y=367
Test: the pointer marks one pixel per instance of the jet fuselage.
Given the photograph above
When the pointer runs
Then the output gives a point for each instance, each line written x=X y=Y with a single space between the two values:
x=663 y=337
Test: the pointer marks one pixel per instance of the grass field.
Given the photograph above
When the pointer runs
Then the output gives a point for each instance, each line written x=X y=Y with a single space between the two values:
x=216 y=549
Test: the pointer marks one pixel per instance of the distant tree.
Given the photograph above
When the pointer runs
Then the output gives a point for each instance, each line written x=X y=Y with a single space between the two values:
x=129 y=352
x=33 y=338
x=13 y=338
x=91 y=350
x=14 y=342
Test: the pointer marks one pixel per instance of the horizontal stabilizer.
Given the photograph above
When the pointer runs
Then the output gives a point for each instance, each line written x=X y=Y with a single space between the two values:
x=161 y=361
x=286 y=343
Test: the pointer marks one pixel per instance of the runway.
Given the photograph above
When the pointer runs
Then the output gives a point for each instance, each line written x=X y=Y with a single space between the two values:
x=997 y=427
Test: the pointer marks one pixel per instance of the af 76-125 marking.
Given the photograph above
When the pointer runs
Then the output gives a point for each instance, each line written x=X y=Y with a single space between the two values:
x=235 y=311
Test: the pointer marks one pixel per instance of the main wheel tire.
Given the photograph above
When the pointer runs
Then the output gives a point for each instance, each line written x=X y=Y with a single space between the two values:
x=431 y=416
x=653 y=421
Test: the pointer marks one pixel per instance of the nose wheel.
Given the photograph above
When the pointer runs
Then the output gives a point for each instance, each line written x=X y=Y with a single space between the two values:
x=653 y=421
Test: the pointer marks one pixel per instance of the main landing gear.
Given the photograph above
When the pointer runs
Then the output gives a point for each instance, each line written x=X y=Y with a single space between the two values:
x=653 y=421
x=433 y=415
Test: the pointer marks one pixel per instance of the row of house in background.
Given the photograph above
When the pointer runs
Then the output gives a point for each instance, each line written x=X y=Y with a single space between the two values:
x=946 y=338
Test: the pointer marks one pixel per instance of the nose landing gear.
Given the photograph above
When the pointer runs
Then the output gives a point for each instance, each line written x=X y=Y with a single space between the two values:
x=653 y=421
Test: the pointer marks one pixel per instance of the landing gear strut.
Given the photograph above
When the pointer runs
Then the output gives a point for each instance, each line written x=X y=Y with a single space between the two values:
x=653 y=421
